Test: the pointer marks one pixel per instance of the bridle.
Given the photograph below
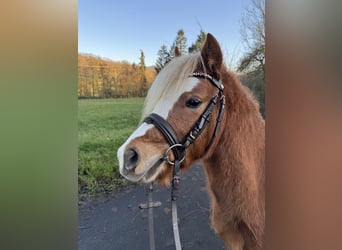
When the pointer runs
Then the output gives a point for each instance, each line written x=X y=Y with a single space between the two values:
x=179 y=147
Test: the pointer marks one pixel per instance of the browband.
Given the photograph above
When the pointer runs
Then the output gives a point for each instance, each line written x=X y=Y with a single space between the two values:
x=217 y=83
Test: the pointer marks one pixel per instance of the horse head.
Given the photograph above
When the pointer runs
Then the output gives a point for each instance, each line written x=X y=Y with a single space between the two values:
x=181 y=93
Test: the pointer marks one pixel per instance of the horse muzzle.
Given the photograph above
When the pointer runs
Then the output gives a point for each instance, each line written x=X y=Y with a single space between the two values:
x=135 y=169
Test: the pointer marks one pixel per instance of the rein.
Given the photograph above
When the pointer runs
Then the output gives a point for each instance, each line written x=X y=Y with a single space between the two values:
x=179 y=149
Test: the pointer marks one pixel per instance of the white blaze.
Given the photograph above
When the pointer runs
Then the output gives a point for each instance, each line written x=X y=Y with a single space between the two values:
x=164 y=106
x=140 y=131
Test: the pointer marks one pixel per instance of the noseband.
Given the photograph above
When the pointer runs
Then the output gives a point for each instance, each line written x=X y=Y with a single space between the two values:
x=179 y=147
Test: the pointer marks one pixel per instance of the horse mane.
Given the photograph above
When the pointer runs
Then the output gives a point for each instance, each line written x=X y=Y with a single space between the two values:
x=169 y=79
x=239 y=156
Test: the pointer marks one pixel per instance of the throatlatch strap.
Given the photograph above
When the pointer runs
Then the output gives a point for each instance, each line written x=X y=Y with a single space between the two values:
x=218 y=121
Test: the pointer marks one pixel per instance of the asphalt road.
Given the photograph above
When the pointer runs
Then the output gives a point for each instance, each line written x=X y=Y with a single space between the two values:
x=118 y=222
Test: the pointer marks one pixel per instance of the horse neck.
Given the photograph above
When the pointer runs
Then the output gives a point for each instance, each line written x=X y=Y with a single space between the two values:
x=238 y=154
x=235 y=166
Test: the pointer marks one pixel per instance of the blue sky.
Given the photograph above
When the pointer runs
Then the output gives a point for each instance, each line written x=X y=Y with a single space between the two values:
x=119 y=29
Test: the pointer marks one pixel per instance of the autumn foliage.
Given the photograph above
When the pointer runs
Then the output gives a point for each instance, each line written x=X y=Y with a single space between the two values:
x=103 y=78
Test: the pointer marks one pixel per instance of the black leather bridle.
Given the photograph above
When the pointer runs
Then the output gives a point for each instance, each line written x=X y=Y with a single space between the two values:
x=179 y=147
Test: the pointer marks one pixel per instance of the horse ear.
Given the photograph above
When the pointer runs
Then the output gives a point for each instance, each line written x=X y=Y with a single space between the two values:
x=212 y=56
x=177 y=51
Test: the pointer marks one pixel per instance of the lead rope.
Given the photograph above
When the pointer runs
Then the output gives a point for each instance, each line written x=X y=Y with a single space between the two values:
x=150 y=217
x=174 y=195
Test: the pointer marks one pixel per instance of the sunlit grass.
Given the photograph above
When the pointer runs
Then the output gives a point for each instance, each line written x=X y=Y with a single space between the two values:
x=103 y=125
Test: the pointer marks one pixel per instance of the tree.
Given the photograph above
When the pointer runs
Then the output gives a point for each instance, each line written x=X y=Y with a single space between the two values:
x=142 y=61
x=253 y=36
x=162 y=59
x=196 y=46
x=143 y=80
x=102 y=78
x=180 y=43
x=142 y=67
x=252 y=63
x=165 y=55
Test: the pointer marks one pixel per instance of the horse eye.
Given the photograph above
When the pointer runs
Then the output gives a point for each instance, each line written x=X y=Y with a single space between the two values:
x=193 y=102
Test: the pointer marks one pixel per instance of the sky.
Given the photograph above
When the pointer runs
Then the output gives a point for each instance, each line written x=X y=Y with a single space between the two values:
x=120 y=29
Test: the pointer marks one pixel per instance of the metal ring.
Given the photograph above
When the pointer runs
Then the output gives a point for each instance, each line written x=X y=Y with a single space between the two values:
x=166 y=157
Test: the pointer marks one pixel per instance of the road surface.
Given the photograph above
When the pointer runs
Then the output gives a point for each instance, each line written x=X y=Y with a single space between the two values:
x=118 y=223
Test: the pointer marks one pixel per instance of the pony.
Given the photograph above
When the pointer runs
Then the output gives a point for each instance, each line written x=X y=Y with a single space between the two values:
x=234 y=163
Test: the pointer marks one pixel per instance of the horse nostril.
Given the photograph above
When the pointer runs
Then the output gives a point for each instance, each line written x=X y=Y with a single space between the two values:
x=131 y=158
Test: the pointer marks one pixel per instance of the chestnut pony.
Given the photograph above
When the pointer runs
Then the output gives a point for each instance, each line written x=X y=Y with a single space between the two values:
x=235 y=160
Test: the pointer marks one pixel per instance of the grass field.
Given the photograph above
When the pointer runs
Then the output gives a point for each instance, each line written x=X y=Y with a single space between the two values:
x=103 y=125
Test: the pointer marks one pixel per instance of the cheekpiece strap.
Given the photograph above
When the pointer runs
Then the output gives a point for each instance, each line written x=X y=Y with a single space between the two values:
x=201 y=123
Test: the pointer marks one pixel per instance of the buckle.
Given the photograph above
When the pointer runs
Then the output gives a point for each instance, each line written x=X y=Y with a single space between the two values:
x=166 y=154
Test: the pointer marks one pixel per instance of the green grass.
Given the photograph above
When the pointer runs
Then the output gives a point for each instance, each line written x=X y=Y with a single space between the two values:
x=103 y=125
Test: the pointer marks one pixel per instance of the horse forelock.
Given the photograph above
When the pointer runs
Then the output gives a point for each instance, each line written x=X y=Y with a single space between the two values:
x=169 y=80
